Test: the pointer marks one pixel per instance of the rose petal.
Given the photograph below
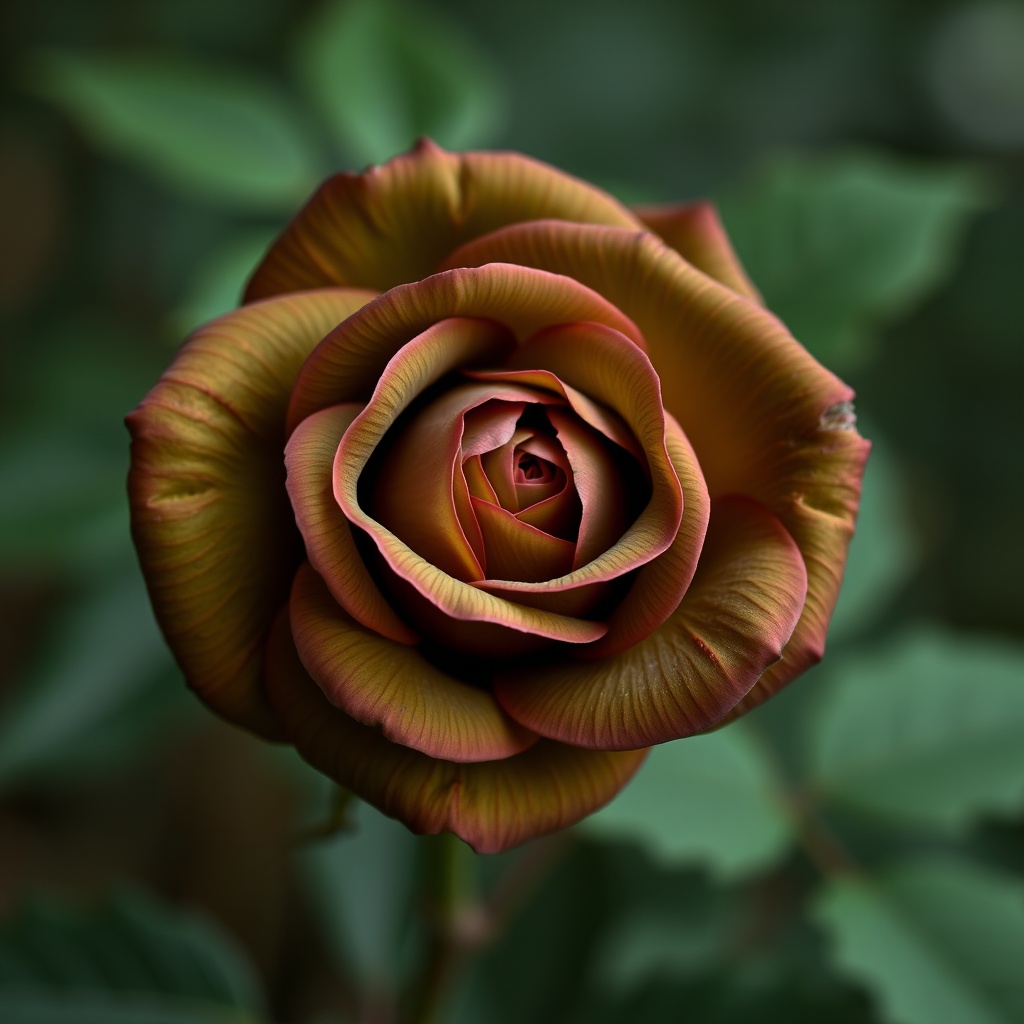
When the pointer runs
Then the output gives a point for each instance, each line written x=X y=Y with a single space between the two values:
x=500 y=473
x=414 y=495
x=518 y=551
x=602 y=364
x=492 y=805
x=330 y=546
x=348 y=363
x=695 y=231
x=449 y=595
x=786 y=439
x=659 y=586
x=210 y=517
x=599 y=485
x=381 y=683
x=394 y=223
x=821 y=514
x=733 y=623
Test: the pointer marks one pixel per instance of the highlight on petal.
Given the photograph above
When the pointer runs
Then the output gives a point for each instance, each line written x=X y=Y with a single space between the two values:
x=381 y=683
x=394 y=223
x=347 y=365
x=492 y=805
x=330 y=546
x=695 y=231
x=732 y=624
x=210 y=518
x=780 y=442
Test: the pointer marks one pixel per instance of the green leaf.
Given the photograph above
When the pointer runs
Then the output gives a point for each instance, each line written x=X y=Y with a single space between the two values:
x=664 y=923
x=884 y=550
x=712 y=800
x=63 y=499
x=216 y=287
x=929 y=730
x=843 y=244
x=226 y=135
x=360 y=887
x=937 y=943
x=107 y=682
x=384 y=72
x=131 y=956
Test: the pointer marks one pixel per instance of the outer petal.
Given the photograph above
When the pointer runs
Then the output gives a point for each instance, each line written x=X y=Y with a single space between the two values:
x=210 y=518
x=348 y=363
x=492 y=805
x=787 y=439
x=695 y=231
x=330 y=546
x=821 y=509
x=732 y=624
x=381 y=683
x=396 y=222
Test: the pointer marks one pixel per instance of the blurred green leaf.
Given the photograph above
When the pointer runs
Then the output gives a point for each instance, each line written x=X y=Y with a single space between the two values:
x=929 y=730
x=131 y=960
x=107 y=678
x=884 y=549
x=226 y=135
x=664 y=924
x=216 y=287
x=840 y=245
x=384 y=72
x=712 y=800
x=937 y=943
x=360 y=887
x=63 y=499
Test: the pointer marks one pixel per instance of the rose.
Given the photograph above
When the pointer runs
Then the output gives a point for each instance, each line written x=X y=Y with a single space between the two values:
x=563 y=489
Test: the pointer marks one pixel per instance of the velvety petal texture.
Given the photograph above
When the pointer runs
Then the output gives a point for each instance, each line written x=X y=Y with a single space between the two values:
x=491 y=485
x=210 y=517
x=491 y=805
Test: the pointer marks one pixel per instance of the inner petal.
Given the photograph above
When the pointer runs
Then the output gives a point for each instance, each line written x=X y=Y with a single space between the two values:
x=541 y=470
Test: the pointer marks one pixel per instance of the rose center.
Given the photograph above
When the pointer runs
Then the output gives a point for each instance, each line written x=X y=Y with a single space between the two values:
x=532 y=469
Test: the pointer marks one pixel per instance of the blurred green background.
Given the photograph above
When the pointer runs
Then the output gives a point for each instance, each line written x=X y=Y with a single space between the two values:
x=854 y=850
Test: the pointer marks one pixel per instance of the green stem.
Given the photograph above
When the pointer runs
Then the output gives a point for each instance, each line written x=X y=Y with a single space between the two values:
x=456 y=922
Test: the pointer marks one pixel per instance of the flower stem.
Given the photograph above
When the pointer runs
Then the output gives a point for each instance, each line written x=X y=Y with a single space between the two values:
x=456 y=921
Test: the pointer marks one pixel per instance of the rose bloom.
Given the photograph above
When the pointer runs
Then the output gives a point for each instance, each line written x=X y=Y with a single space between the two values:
x=491 y=484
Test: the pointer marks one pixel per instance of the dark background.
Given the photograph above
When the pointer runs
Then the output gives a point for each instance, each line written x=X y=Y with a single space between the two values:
x=854 y=851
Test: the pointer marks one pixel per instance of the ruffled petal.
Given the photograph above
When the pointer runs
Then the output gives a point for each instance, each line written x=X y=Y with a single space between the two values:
x=659 y=585
x=330 y=546
x=347 y=365
x=394 y=223
x=518 y=551
x=415 y=495
x=492 y=805
x=764 y=418
x=695 y=231
x=602 y=364
x=603 y=506
x=392 y=686
x=210 y=516
x=734 y=621
x=820 y=514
